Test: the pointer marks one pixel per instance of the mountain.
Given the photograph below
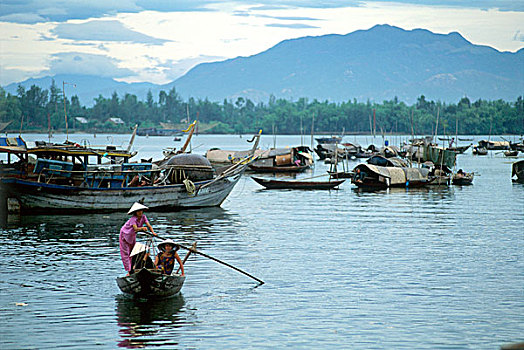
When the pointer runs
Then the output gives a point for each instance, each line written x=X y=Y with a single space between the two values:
x=89 y=87
x=377 y=64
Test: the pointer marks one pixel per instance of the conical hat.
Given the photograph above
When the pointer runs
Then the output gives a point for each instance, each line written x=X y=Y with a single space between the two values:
x=138 y=248
x=167 y=241
x=136 y=207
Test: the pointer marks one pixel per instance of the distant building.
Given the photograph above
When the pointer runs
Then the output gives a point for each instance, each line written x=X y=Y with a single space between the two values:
x=116 y=121
x=81 y=120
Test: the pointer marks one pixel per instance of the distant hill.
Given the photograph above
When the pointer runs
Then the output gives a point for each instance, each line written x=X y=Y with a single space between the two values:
x=378 y=64
x=90 y=87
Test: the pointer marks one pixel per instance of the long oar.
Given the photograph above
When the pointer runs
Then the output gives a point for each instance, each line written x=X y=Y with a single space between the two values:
x=217 y=260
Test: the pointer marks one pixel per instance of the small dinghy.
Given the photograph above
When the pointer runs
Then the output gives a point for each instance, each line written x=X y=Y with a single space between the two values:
x=150 y=284
x=462 y=179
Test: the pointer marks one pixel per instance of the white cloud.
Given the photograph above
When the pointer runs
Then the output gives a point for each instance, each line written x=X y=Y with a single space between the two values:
x=291 y=25
x=103 y=30
x=87 y=64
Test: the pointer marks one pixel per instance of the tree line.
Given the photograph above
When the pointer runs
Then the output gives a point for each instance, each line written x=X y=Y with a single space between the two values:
x=38 y=109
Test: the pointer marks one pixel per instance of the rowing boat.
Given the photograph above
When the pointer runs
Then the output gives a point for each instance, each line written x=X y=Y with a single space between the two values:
x=297 y=184
x=150 y=284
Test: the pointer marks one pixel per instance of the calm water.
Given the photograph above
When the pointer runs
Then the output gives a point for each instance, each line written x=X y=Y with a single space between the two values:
x=429 y=269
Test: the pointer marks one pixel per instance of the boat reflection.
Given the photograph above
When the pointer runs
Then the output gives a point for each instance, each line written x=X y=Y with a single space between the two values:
x=193 y=223
x=150 y=323
x=441 y=192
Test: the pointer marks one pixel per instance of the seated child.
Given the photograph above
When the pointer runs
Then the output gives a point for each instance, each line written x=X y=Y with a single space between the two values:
x=165 y=260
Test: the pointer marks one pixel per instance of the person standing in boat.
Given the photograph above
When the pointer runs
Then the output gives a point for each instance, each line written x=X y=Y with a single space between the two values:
x=128 y=233
x=165 y=260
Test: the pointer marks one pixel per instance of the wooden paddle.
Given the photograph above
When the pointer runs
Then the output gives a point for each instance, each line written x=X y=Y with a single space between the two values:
x=193 y=250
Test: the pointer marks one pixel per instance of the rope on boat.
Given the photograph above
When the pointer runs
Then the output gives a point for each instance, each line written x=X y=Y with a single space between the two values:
x=190 y=187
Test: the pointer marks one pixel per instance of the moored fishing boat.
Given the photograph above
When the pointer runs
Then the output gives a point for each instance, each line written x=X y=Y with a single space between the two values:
x=479 y=151
x=297 y=184
x=73 y=185
x=459 y=149
x=171 y=187
x=219 y=157
x=494 y=145
x=326 y=140
x=276 y=160
x=378 y=177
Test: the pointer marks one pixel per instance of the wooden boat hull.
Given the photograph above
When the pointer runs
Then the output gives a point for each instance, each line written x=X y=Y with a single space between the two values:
x=150 y=284
x=463 y=180
x=332 y=139
x=341 y=174
x=511 y=153
x=279 y=169
x=439 y=181
x=297 y=185
x=479 y=151
x=517 y=169
x=376 y=185
x=459 y=149
x=36 y=196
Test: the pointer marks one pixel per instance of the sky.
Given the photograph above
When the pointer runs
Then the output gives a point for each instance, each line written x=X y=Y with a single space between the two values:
x=158 y=41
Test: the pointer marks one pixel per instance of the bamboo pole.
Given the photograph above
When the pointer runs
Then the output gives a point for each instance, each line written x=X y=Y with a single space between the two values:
x=193 y=247
x=217 y=260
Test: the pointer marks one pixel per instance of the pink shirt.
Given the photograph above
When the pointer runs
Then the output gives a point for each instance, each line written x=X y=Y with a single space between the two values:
x=127 y=232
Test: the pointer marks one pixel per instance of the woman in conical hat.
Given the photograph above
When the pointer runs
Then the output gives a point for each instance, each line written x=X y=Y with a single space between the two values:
x=128 y=232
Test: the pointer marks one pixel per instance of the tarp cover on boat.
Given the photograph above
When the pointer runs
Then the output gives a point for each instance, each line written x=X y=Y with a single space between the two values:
x=416 y=174
x=229 y=156
x=188 y=159
x=204 y=171
x=439 y=155
x=383 y=161
x=397 y=175
x=373 y=168
x=279 y=152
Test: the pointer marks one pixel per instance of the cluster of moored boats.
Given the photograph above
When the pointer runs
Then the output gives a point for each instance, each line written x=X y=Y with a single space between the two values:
x=69 y=177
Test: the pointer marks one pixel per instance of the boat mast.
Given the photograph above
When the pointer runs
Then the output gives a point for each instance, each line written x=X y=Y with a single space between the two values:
x=312 y=128
x=132 y=139
x=456 y=131
x=65 y=109
x=436 y=126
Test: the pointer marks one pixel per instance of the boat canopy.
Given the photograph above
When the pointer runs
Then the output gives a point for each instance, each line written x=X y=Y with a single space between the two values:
x=495 y=144
x=228 y=156
x=12 y=145
x=439 y=155
x=397 y=175
x=383 y=161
